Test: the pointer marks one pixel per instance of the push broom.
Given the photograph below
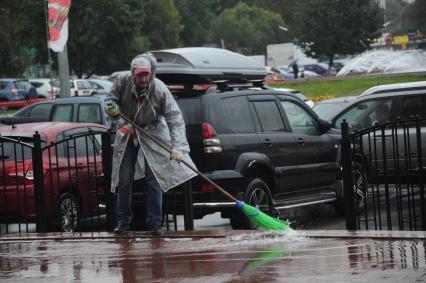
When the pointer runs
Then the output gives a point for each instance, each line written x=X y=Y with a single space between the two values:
x=259 y=219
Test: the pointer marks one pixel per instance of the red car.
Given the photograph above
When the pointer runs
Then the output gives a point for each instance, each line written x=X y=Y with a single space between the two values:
x=71 y=154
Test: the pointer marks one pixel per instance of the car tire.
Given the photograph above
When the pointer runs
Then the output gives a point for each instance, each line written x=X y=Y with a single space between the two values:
x=360 y=186
x=256 y=194
x=67 y=213
x=32 y=93
x=360 y=183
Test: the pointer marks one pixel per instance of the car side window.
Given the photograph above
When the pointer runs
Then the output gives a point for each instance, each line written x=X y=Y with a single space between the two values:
x=269 y=116
x=90 y=113
x=24 y=112
x=301 y=122
x=81 y=146
x=366 y=113
x=414 y=106
x=191 y=110
x=42 y=110
x=62 y=113
x=83 y=85
x=235 y=116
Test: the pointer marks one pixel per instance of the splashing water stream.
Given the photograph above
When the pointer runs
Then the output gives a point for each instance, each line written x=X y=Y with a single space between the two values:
x=386 y=62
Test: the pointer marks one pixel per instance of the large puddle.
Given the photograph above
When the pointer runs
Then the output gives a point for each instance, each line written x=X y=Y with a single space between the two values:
x=231 y=257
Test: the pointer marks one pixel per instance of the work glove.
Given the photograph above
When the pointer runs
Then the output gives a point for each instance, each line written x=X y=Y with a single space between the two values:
x=176 y=155
x=112 y=108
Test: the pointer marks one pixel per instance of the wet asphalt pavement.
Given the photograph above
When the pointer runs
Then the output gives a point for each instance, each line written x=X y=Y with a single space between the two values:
x=215 y=256
x=317 y=250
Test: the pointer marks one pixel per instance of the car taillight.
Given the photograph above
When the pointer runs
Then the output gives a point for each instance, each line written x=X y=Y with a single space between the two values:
x=24 y=173
x=207 y=187
x=14 y=91
x=212 y=144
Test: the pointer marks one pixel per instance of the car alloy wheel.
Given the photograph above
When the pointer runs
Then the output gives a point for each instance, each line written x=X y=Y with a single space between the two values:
x=68 y=213
x=360 y=183
x=257 y=194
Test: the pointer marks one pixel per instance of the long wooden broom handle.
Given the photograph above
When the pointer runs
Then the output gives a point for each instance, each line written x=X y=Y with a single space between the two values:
x=169 y=150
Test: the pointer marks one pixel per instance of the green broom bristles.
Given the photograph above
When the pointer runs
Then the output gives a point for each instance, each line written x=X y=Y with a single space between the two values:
x=262 y=220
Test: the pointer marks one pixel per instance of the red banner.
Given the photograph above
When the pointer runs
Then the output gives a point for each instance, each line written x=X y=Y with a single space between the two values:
x=58 y=23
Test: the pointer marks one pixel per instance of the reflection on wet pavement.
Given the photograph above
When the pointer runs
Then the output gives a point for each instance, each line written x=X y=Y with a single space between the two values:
x=231 y=256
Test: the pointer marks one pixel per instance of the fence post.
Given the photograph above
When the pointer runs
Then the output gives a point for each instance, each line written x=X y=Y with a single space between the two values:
x=188 y=206
x=386 y=179
x=41 y=217
x=348 y=188
x=107 y=168
x=421 y=180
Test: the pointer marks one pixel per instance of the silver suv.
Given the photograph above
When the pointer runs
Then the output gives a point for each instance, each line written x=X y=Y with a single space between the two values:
x=383 y=115
x=384 y=103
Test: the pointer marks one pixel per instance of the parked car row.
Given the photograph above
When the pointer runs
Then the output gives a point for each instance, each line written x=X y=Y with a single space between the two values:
x=87 y=87
x=20 y=89
x=16 y=89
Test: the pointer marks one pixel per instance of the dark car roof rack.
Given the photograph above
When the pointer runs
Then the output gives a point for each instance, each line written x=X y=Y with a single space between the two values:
x=228 y=85
x=219 y=86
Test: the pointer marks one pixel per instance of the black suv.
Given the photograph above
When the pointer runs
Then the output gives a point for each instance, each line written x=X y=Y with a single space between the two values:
x=263 y=146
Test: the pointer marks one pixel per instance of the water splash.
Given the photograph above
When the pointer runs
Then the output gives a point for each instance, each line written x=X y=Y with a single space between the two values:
x=386 y=62
x=243 y=239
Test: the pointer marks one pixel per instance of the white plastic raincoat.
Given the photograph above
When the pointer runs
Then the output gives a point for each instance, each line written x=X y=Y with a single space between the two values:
x=159 y=115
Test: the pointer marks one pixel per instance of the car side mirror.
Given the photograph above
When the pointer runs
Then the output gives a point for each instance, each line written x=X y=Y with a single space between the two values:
x=324 y=125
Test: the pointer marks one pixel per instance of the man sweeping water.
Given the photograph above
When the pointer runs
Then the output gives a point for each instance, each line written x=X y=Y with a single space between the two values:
x=148 y=102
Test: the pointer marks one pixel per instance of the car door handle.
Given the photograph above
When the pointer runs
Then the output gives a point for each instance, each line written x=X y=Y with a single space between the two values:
x=80 y=165
x=300 y=141
x=268 y=142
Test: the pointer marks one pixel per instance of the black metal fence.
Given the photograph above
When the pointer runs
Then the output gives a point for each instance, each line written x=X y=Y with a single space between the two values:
x=65 y=186
x=383 y=176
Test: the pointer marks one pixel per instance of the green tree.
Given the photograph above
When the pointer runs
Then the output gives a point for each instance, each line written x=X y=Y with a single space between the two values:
x=415 y=16
x=22 y=27
x=219 y=6
x=103 y=35
x=286 y=8
x=336 y=27
x=246 y=29
x=196 y=16
x=161 y=25
x=394 y=12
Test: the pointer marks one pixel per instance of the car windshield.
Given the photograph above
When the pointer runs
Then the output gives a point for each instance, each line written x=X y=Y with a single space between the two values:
x=364 y=114
x=104 y=83
x=22 y=84
x=327 y=111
